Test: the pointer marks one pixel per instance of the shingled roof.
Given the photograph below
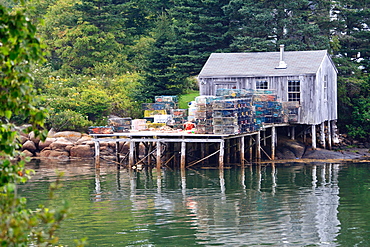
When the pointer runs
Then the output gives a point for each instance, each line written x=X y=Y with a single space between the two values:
x=260 y=64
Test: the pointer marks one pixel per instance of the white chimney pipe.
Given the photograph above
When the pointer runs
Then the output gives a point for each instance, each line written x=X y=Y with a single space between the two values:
x=282 y=64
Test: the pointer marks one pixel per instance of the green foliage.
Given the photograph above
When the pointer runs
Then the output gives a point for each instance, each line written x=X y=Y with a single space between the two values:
x=68 y=120
x=360 y=106
x=19 y=50
x=263 y=25
x=120 y=90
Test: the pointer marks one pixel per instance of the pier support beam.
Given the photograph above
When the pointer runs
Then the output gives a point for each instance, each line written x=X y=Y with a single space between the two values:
x=258 y=146
x=242 y=147
x=250 y=149
x=159 y=163
x=313 y=132
x=131 y=155
x=329 y=135
x=183 y=155
x=333 y=130
x=273 y=142
x=322 y=135
x=221 y=154
x=117 y=152
x=97 y=153
x=292 y=133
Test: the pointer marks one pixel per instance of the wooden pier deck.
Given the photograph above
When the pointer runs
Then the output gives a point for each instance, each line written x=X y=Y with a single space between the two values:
x=185 y=149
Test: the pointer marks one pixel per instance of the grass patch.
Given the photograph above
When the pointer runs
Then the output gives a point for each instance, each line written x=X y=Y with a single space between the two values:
x=186 y=98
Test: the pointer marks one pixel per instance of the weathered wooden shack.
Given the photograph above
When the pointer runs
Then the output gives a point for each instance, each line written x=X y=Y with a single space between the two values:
x=305 y=78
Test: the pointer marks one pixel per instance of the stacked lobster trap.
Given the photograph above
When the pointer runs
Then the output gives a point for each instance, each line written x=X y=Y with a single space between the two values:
x=234 y=111
x=165 y=111
x=204 y=114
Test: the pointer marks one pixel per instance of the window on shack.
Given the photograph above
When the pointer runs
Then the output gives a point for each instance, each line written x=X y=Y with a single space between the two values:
x=326 y=87
x=294 y=90
x=262 y=84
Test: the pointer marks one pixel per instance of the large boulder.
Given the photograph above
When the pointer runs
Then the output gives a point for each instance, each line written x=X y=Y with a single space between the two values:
x=51 y=133
x=30 y=146
x=69 y=135
x=297 y=148
x=60 y=144
x=45 y=152
x=44 y=144
x=27 y=153
x=33 y=137
x=85 y=140
x=58 y=154
x=81 y=151
x=22 y=139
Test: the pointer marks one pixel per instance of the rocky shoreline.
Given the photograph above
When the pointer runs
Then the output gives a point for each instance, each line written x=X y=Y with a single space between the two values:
x=70 y=144
x=60 y=145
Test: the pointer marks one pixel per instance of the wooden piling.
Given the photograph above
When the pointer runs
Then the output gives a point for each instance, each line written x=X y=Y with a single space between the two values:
x=322 y=135
x=258 y=146
x=292 y=133
x=131 y=155
x=97 y=150
x=97 y=153
x=183 y=154
x=242 y=147
x=221 y=154
x=273 y=142
x=329 y=135
x=117 y=152
x=313 y=132
x=250 y=148
x=159 y=163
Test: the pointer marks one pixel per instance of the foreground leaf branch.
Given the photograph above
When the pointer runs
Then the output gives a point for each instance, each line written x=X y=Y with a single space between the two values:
x=19 y=50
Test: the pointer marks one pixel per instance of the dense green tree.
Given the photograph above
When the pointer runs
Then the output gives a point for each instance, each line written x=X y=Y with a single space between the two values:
x=263 y=25
x=201 y=28
x=83 y=42
x=352 y=30
x=158 y=76
x=350 y=42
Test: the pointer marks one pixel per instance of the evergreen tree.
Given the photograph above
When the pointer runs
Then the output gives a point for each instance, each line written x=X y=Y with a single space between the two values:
x=159 y=76
x=201 y=28
x=263 y=25
x=352 y=30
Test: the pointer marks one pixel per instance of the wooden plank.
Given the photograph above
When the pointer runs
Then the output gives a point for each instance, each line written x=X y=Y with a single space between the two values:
x=194 y=163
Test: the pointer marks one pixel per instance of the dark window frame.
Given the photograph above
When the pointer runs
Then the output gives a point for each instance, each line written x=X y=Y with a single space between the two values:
x=294 y=90
x=262 y=84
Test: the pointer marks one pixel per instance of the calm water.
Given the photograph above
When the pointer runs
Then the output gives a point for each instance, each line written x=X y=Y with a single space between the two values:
x=314 y=204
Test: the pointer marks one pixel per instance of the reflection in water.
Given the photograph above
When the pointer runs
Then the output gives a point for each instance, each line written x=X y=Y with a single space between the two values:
x=97 y=185
x=275 y=205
